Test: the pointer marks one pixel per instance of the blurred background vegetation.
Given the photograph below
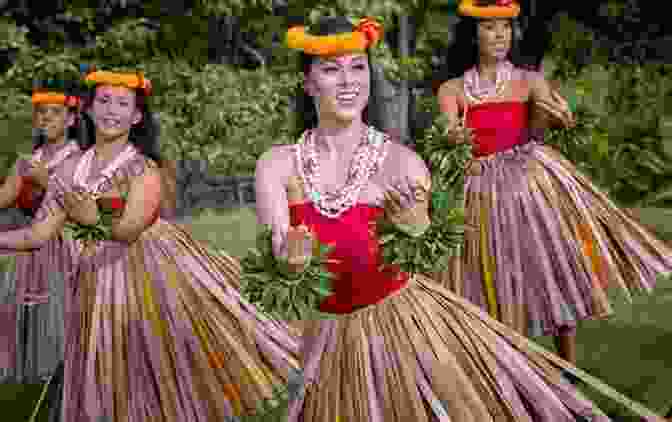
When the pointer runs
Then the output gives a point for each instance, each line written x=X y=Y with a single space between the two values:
x=223 y=86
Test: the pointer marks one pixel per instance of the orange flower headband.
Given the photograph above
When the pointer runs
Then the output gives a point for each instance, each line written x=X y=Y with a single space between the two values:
x=48 y=97
x=366 y=34
x=500 y=9
x=128 y=80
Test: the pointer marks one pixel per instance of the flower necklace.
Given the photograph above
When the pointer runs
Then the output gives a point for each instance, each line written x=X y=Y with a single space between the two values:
x=479 y=94
x=83 y=170
x=366 y=161
x=58 y=158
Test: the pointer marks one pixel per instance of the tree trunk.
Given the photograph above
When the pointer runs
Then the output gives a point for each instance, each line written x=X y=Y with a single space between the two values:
x=404 y=89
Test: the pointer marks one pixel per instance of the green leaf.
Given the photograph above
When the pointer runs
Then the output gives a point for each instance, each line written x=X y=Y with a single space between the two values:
x=664 y=194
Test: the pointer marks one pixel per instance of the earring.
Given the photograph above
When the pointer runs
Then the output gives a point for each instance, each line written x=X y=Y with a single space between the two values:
x=316 y=102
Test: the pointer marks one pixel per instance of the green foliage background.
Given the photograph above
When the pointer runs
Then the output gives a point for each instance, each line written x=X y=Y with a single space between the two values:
x=228 y=116
x=225 y=115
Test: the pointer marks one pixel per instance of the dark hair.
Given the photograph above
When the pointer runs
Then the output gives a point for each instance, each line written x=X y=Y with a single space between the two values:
x=144 y=136
x=306 y=114
x=463 y=52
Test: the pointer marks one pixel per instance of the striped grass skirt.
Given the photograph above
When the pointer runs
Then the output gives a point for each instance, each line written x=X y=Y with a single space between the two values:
x=424 y=354
x=158 y=332
x=548 y=245
x=33 y=295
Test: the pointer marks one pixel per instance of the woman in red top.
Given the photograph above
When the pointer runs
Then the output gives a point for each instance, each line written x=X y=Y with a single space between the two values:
x=398 y=348
x=38 y=283
x=549 y=243
x=157 y=330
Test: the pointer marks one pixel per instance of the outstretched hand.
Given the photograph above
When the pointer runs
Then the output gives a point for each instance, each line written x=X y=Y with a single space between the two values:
x=81 y=207
x=403 y=202
x=300 y=242
x=557 y=108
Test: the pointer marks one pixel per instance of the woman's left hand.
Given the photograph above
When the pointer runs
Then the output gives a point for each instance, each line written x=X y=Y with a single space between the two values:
x=406 y=202
x=557 y=108
x=81 y=207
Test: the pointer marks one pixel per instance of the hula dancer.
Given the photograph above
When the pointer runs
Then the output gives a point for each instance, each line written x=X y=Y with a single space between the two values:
x=548 y=243
x=399 y=347
x=37 y=285
x=157 y=331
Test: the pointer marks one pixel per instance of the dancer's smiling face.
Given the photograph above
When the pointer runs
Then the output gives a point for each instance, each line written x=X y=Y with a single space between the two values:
x=341 y=85
x=114 y=110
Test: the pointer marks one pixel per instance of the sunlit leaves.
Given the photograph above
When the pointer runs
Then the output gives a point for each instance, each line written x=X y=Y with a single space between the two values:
x=428 y=253
x=268 y=283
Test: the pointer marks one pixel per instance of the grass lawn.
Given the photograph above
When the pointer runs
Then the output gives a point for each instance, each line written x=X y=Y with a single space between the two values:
x=631 y=351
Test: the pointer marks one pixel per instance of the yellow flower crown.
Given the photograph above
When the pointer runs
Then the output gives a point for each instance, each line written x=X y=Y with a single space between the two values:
x=366 y=34
x=47 y=97
x=128 y=80
x=500 y=9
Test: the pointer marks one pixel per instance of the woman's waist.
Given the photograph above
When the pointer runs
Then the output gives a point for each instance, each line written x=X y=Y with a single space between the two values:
x=492 y=141
x=505 y=150
x=355 y=290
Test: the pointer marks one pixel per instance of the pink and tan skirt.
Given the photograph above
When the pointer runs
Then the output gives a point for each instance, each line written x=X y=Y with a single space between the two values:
x=547 y=246
x=424 y=354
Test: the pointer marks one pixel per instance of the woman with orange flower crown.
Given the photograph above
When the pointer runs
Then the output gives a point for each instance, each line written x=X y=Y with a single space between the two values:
x=397 y=347
x=34 y=295
x=157 y=330
x=549 y=244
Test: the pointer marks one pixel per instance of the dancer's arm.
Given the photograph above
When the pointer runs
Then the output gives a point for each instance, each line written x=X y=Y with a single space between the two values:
x=10 y=189
x=452 y=106
x=449 y=99
x=33 y=237
x=273 y=171
x=407 y=203
x=168 y=172
x=144 y=200
x=550 y=102
x=48 y=222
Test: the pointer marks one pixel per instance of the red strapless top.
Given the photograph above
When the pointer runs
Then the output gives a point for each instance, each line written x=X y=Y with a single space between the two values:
x=359 y=279
x=30 y=196
x=498 y=126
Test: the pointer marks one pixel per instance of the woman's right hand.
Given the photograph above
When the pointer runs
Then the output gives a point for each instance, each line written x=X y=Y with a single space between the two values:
x=300 y=242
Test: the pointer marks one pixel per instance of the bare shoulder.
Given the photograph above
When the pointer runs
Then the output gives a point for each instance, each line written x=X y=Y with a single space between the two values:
x=402 y=160
x=277 y=153
x=538 y=85
x=533 y=78
x=279 y=159
x=451 y=87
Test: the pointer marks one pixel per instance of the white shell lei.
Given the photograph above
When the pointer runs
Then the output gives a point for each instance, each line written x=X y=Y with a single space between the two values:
x=478 y=94
x=366 y=162
x=83 y=170
x=58 y=158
